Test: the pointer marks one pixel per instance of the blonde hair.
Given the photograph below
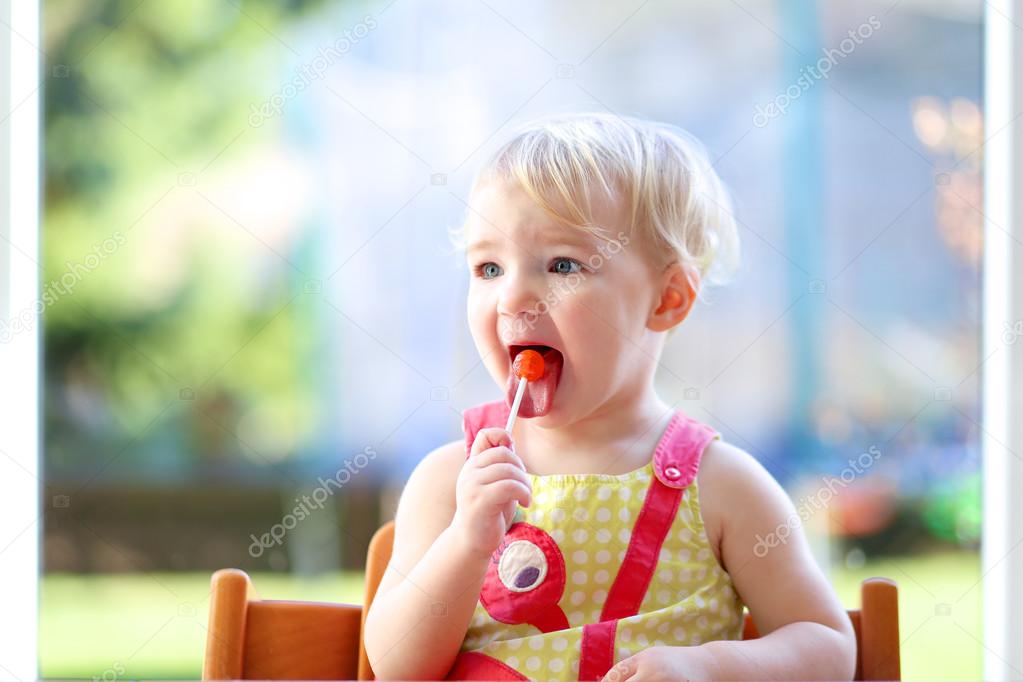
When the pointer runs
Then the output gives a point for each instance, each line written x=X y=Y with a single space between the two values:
x=677 y=204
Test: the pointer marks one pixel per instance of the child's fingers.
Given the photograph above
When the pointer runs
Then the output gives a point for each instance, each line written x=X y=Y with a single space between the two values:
x=499 y=471
x=509 y=489
x=498 y=454
x=509 y=513
x=622 y=671
x=491 y=437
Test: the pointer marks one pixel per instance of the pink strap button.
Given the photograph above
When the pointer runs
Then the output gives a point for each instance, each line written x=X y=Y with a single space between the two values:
x=672 y=472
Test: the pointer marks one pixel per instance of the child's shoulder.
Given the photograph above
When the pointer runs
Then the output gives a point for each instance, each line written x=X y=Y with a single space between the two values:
x=448 y=459
x=439 y=468
x=728 y=472
x=724 y=465
x=432 y=481
x=427 y=502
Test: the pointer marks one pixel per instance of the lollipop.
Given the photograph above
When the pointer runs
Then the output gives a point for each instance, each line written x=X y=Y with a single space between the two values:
x=528 y=366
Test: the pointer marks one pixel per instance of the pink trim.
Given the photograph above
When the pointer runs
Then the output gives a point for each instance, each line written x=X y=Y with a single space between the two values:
x=597 y=650
x=473 y=665
x=480 y=417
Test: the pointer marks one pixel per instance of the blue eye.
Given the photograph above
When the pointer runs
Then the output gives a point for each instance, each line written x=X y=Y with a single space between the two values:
x=566 y=266
x=488 y=270
x=561 y=266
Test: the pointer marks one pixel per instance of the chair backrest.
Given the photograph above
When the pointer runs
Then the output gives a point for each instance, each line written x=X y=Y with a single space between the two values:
x=281 y=640
x=249 y=638
x=277 y=640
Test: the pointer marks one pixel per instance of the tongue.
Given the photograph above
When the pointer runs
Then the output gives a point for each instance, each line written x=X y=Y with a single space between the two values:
x=539 y=394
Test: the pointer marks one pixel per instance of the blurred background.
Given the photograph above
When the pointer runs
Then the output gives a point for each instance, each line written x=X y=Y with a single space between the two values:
x=255 y=326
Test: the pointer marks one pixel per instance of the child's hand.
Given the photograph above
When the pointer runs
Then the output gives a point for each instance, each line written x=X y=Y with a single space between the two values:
x=690 y=663
x=491 y=482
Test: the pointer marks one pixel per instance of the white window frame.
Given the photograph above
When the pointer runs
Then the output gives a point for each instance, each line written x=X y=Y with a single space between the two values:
x=21 y=523
x=1002 y=380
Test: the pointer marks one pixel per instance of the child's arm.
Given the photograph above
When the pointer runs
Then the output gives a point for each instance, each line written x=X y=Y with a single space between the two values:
x=428 y=566
x=805 y=631
x=426 y=598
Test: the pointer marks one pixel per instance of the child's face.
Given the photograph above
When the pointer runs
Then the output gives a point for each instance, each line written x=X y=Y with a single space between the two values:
x=534 y=281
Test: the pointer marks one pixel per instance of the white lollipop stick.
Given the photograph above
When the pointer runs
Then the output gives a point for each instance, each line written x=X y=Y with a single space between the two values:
x=515 y=404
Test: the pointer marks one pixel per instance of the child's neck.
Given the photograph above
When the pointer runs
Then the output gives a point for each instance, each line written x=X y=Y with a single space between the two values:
x=617 y=437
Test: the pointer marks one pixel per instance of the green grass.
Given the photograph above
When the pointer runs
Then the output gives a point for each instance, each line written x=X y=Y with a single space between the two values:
x=938 y=643
x=149 y=626
x=154 y=626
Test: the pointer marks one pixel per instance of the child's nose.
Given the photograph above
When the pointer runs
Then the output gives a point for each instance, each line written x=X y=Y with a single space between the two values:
x=519 y=296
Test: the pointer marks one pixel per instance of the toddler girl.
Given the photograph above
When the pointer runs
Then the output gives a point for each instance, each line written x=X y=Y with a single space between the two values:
x=611 y=536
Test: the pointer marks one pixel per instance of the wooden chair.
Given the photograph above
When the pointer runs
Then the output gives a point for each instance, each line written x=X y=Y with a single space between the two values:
x=249 y=638
x=253 y=639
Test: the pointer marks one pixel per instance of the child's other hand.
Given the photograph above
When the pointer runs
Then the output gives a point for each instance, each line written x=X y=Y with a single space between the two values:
x=690 y=663
x=490 y=483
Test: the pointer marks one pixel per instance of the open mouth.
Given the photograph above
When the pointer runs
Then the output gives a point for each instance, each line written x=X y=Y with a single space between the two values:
x=539 y=395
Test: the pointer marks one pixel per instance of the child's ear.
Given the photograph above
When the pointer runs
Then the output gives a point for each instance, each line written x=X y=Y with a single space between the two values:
x=679 y=286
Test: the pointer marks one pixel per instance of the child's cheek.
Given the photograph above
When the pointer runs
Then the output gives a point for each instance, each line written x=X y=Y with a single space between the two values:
x=483 y=333
x=477 y=311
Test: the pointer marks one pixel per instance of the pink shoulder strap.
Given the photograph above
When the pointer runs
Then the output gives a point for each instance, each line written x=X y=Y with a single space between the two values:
x=677 y=455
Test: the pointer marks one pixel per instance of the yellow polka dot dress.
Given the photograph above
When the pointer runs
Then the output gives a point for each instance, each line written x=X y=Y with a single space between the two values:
x=600 y=567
